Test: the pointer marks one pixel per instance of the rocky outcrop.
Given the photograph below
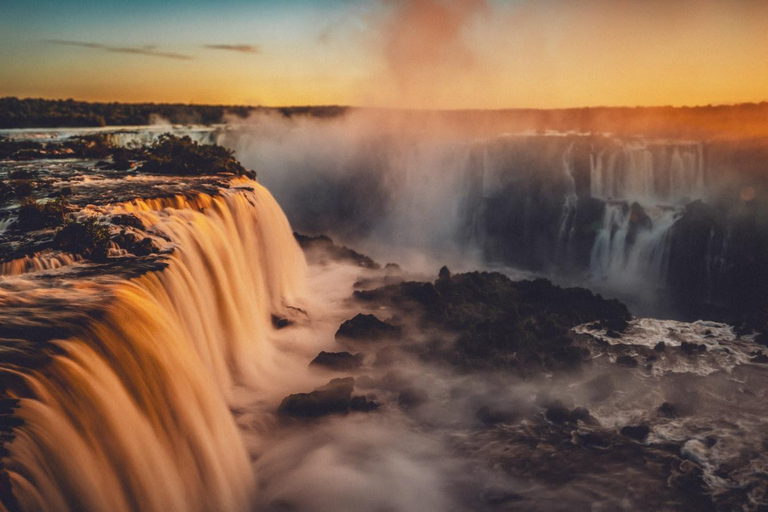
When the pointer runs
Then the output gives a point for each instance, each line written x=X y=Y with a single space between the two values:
x=333 y=398
x=367 y=328
x=338 y=361
x=498 y=322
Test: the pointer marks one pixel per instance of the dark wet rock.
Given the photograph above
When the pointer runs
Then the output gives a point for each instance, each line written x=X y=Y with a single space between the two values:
x=34 y=215
x=660 y=347
x=590 y=439
x=558 y=413
x=321 y=249
x=281 y=323
x=128 y=220
x=612 y=334
x=135 y=245
x=667 y=410
x=692 y=348
x=499 y=323
x=367 y=328
x=333 y=398
x=580 y=414
x=88 y=238
x=628 y=361
x=338 y=361
x=363 y=404
x=688 y=478
x=636 y=432
x=761 y=359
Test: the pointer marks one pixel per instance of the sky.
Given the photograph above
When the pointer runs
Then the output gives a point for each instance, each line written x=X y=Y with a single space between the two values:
x=447 y=54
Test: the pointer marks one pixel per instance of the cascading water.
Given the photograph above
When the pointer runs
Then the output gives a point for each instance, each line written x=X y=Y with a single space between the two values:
x=659 y=179
x=131 y=414
x=565 y=233
x=548 y=203
x=648 y=173
x=620 y=256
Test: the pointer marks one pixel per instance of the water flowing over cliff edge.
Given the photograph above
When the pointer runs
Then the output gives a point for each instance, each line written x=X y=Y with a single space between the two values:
x=202 y=364
x=130 y=412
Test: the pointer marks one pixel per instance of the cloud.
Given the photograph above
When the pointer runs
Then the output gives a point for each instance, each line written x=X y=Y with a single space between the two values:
x=240 y=48
x=423 y=43
x=149 y=50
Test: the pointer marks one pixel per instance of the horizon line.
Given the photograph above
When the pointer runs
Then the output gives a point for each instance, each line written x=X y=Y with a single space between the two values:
x=405 y=109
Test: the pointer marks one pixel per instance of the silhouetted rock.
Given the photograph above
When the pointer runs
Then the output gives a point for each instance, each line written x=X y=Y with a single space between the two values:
x=692 y=348
x=501 y=323
x=636 y=432
x=338 y=361
x=558 y=413
x=660 y=347
x=628 y=361
x=333 y=398
x=580 y=414
x=321 y=249
x=280 y=322
x=667 y=410
x=367 y=328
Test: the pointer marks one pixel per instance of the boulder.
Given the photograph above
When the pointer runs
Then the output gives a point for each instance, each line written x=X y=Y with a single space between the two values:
x=333 y=398
x=367 y=328
x=338 y=361
x=636 y=432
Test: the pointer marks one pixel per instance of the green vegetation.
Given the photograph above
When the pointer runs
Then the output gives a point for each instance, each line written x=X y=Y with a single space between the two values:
x=40 y=113
x=87 y=146
x=25 y=113
x=87 y=238
x=184 y=157
x=34 y=215
x=501 y=323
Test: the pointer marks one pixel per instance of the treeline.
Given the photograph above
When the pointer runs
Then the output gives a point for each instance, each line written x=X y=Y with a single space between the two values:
x=40 y=113
x=708 y=122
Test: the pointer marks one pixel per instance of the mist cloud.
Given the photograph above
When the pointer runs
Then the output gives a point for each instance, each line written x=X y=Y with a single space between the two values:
x=149 y=50
x=423 y=43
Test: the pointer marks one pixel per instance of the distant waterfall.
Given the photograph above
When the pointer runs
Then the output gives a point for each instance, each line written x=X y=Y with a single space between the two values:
x=133 y=415
x=640 y=171
x=570 y=204
x=619 y=258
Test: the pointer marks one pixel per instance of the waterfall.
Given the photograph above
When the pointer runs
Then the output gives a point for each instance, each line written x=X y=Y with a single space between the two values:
x=5 y=223
x=649 y=173
x=644 y=259
x=565 y=232
x=46 y=260
x=132 y=413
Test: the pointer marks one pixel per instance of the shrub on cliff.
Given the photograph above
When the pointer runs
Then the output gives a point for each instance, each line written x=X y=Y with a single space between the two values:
x=501 y=323
x=87 y=238
x=185 y=157
x=34 y=215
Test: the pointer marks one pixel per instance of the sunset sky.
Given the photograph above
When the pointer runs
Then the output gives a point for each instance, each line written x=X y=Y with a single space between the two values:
x=398 y=53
